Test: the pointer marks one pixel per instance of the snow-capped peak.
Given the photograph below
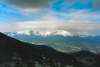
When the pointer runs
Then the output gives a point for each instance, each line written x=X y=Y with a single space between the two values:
x=45 y=33
x=62 y=32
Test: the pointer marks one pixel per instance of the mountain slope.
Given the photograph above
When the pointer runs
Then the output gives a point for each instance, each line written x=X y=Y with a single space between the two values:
x=24 y=52
x=21 y=53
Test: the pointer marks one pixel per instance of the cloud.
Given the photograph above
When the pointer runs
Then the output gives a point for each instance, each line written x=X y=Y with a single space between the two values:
x=33 y=25
x=84 y=28
x=84 y=22
x=76 y=28
x=74 y=21
x=83 y=16
x=96 y=4
x=30 y=3
x=35 y=4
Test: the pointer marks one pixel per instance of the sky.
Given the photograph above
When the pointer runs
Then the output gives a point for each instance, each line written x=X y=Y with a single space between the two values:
x=74 y=16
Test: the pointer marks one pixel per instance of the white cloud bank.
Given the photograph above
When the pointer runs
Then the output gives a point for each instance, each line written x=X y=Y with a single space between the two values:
x=73 y=27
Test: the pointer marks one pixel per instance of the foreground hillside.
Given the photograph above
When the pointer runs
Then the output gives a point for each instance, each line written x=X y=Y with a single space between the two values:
x=14 y=53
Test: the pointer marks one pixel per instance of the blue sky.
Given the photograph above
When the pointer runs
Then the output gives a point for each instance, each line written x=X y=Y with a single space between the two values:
x=10 y=11
x=60 y=11
x=59 y=5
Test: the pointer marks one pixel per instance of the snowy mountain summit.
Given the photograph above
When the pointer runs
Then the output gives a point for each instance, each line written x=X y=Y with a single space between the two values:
x=42 y=33
x=46 y=33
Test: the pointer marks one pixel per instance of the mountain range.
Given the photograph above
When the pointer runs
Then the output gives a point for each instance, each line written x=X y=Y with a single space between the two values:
x=16 y=53
x=64 y=41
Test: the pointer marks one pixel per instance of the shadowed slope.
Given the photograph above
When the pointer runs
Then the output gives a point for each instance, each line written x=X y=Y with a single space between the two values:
x=30 y=53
